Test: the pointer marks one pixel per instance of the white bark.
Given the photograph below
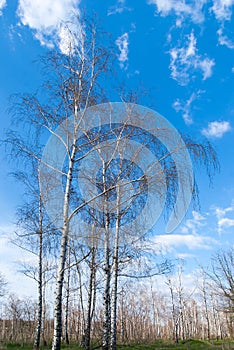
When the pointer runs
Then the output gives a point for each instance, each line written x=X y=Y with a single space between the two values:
x=67 y=298
x=115 y=274
x=40 y=281
x=90 y=311
x=107 y=269
x=63 y=253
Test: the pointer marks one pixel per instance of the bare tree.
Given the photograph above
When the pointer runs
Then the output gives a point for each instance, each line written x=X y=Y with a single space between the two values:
x=175 y=312
x=35 y=235
x=72 y=84
x=205 y=299
x=91 y=291
x=221 y=275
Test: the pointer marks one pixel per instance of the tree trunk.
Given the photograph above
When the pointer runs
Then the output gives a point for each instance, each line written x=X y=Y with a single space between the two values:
x=82 y=321
x=107 y=271
x=58 y=294
x=40 y=282
x=67 y=299
x=63 y=254
x=174 y=316
x=107 y=304
x=115 y=277
x=43 y=315
x=123 y=320
x=205 y=297
x=90 y=302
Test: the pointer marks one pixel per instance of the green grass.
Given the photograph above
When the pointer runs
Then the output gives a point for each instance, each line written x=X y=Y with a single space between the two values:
x=183 y=345
x=158 y=345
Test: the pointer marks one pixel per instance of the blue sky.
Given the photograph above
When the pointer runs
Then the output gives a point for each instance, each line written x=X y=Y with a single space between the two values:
x=181 y=51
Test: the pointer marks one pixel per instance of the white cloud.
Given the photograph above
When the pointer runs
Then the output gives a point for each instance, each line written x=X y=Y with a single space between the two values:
x=224 y=40
x=194 y=9
x=47 y=18
x=191 y=49
x=206 y=65
x=173 y=241
x=2 y=5
x=186 y=106
x=179 y=7
x=185 y=60
x=222 y=9
x=183 y=256
x=190 y=237
x=224 y=222
x=118 y=8
x=194 y=225
x=221 y=212
x=166 y=6
x=216 y=129
x=122 y=43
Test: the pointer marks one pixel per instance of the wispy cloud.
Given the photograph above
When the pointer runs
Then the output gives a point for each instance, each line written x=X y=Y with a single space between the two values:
x=224 y=221
x=216 y=129
x=170 y=242
x=185 y=60
x=2 y=5
x=179 y=7
x=186 y=106
x=183 y=256
x=224 y=40
x=194 y=225
x=194 y=9
x=122 y=43
x=222 y=9
x=118 y=8
x=47 y=19
x=191 y=236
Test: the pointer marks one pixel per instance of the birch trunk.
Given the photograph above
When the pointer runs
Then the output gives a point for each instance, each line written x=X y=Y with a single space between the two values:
x=90 y=302
x=115 y=277
x=58 y=293
x=81 y=301
x=40 y=282
x=63 y=254
x=174 y=316
x=123 y=320
x=107 y=304
x=67 y=299
x=43 y=314
x=205 y=300
x=107 y=271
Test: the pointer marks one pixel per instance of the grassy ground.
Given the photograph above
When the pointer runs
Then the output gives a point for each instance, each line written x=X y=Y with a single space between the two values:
x=184 y=345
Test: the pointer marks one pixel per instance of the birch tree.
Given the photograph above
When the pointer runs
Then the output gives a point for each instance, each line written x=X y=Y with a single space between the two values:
x=93 y=263
x=205 y=298
x=71 y=87
x=34 y=233
x=81 y=138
